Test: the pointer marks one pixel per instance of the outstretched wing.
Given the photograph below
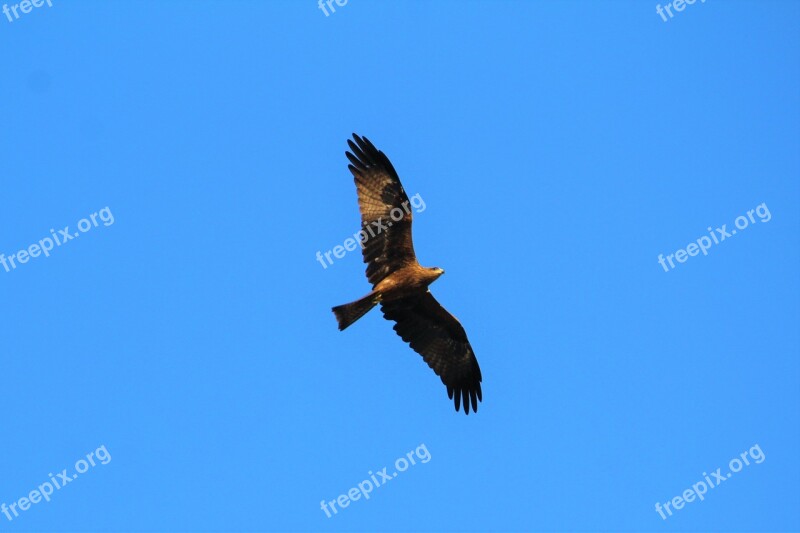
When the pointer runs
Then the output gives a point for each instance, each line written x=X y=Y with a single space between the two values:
x=385 y=211
x=442 y=342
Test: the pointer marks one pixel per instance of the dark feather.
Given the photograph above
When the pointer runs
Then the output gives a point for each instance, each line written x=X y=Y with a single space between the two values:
x=387 y=247
x=442 y=342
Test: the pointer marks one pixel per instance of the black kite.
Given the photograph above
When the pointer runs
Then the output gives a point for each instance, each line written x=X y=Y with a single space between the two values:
x=400 y=284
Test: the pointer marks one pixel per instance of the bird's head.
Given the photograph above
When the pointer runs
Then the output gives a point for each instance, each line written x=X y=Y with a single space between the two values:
x=438 y=271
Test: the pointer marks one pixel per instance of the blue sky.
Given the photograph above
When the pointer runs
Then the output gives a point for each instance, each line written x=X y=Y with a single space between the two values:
x=184 y=340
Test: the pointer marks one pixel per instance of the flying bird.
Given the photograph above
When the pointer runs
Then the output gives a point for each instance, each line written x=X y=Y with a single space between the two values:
x=399 y=283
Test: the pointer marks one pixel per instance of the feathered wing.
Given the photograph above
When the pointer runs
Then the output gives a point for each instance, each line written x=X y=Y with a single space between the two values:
x=385 y=210
x=442 y=342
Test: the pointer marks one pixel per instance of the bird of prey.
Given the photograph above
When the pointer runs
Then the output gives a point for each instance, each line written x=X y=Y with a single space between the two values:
x=399 y=283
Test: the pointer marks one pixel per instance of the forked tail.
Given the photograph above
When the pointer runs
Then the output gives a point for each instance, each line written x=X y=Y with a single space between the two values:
x=348 y=313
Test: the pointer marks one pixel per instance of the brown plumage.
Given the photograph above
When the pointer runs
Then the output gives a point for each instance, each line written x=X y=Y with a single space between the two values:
x=400 y=284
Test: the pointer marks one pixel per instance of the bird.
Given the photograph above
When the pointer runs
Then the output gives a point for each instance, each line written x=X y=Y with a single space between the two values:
x=399 y=284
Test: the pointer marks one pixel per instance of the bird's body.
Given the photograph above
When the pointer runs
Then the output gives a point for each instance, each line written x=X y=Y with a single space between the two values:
x=400 y=284
x=408 y=281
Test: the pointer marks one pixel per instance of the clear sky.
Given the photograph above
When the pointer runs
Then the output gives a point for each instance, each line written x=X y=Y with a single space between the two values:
x=180 y=355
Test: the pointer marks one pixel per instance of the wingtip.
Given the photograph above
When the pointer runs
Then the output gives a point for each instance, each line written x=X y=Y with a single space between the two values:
x=363 y=143
x=469 y=397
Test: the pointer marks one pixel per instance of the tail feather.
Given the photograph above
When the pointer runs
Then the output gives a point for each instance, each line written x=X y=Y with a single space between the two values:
x=348 y=313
